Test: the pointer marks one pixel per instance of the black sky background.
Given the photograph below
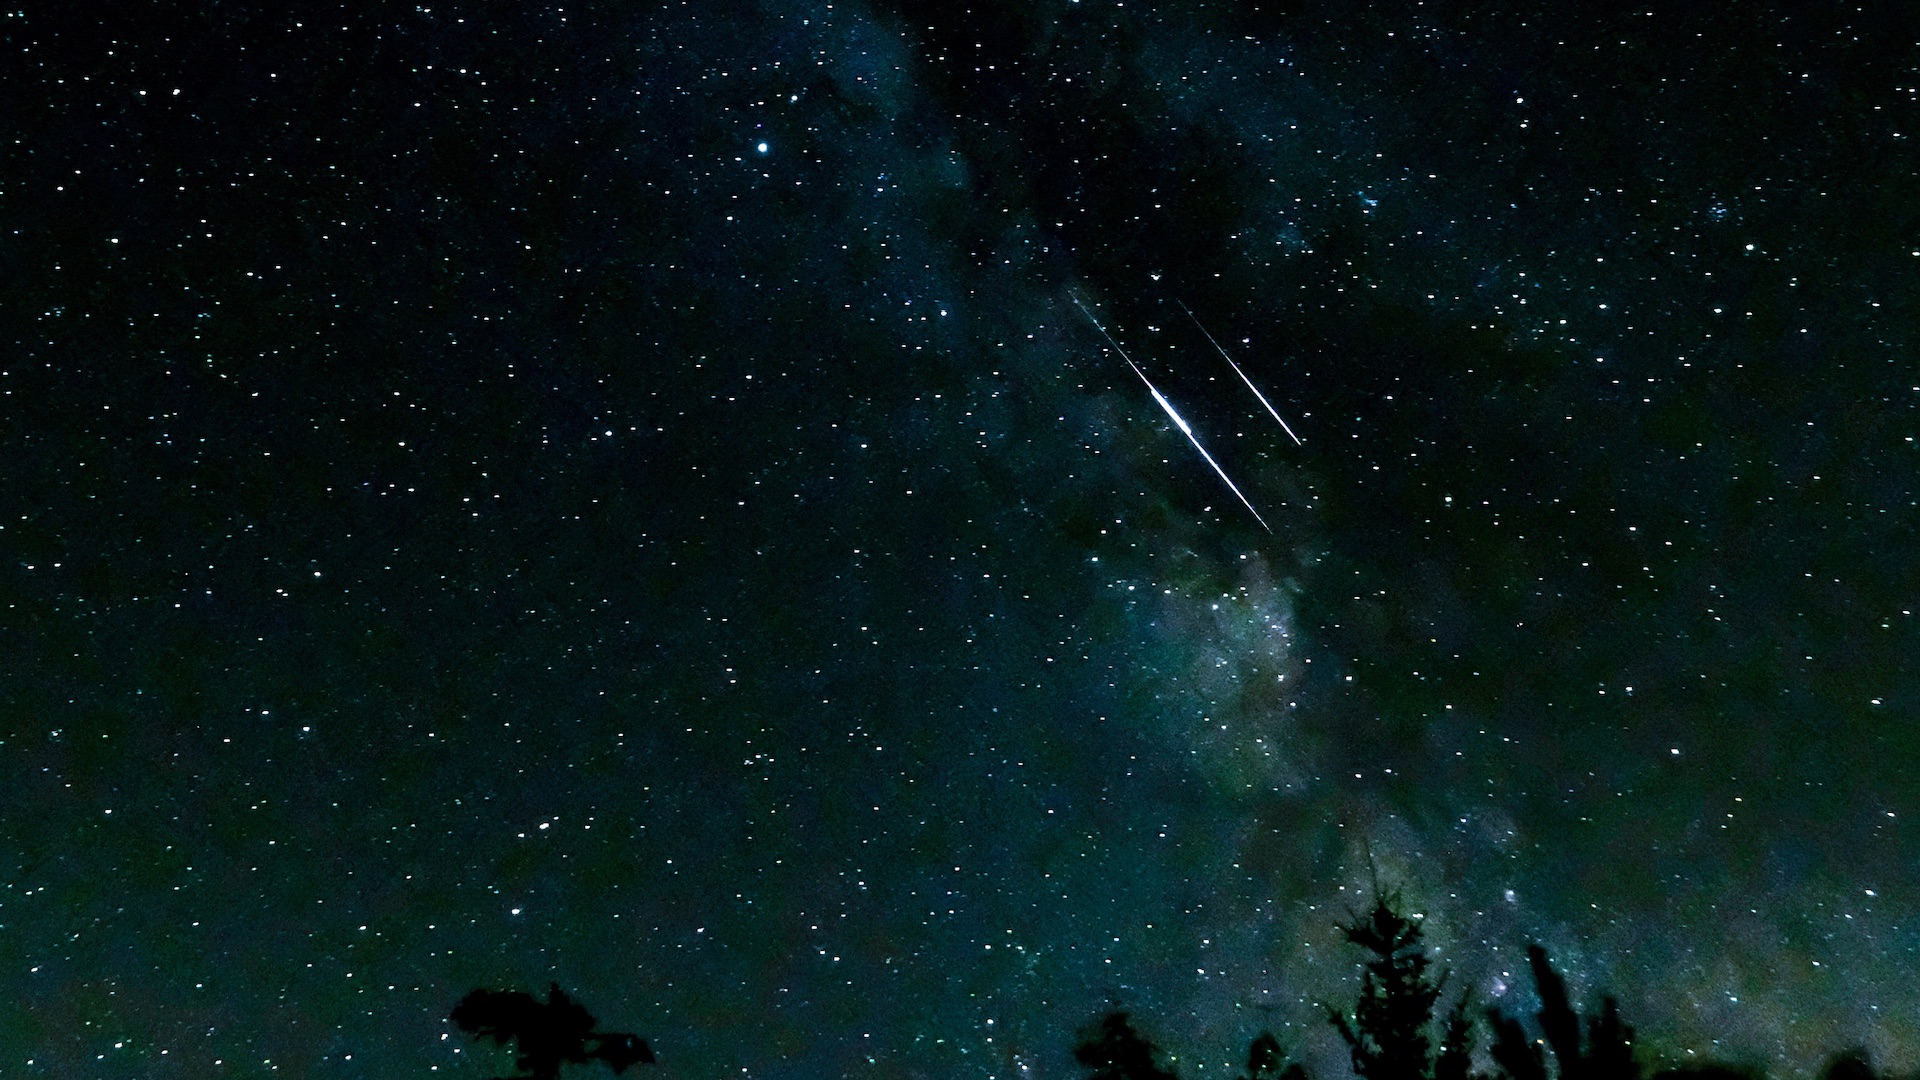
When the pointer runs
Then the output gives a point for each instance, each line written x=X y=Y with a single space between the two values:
x=473 y=517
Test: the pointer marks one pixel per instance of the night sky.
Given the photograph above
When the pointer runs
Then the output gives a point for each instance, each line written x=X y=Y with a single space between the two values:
x=627 y=495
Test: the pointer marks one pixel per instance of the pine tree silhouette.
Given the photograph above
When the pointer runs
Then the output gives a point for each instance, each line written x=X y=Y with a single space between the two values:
x=1267 y=1060
x=1455 y=1059
x=1515 y=1055
x=1387 y=1034
x=1115 y=1051
x=548 y=1035
x=1607 y=1053
x=1849 y=1065
x=1556 y=1016
x=1610 y=1045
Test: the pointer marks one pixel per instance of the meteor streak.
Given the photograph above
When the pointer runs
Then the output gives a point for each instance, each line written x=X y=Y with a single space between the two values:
x=1243 y=375
x=1188 y=432
x=1178 y=422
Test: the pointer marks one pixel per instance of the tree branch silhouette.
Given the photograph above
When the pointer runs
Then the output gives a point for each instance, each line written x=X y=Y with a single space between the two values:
x=548 y=1035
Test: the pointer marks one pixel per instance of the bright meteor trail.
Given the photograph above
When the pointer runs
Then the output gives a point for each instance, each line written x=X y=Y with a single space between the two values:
x=1178 y=422
x=1243 y=375
x=1188 y=432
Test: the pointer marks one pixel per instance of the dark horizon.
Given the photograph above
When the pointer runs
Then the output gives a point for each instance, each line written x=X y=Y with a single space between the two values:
x=1405 y=1022
x=634 y=498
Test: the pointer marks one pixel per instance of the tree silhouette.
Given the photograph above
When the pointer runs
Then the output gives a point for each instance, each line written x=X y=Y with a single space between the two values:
x=1387 y=1033
x=1455 y=1059
x=1606 y=1054
x=1267 y=1060
x=548 y=1035
x=1849 y=1065
x=1115 y=1051
x=1610 y=1045
x=1515 y=1055
x=1557 y=1018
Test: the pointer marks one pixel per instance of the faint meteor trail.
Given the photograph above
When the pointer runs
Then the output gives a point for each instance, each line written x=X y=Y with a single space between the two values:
x=1243 y=375
x=1178 y=422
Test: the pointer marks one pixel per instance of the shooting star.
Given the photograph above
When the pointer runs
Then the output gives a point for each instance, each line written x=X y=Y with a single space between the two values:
x=1243 y=375
x=1177 y=421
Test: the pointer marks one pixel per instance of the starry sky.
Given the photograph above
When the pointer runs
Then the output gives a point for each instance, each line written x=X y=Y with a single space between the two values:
x=643 y=496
